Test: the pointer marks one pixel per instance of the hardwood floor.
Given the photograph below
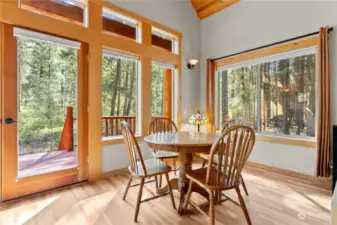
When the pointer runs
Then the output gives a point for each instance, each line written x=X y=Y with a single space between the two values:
x=274 y=200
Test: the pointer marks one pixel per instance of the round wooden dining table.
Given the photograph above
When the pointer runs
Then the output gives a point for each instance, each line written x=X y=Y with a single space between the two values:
x=186 y=144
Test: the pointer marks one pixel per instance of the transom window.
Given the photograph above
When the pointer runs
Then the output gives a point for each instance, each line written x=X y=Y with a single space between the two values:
x=119 y=24
x=276 y=94
x=70 y=10
x=164 y=40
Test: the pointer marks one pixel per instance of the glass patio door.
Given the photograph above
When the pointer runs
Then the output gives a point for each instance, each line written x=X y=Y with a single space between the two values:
x=42 y=145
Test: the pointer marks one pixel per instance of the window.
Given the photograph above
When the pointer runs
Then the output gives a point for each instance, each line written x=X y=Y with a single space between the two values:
x=119 y=24
x=164 y=40
x=119 y=91
x=162 y=87
x=276 y=94
x=70 y=10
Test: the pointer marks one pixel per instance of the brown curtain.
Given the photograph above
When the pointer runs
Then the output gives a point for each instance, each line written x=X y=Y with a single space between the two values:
x=210 y=95
x=323 y=131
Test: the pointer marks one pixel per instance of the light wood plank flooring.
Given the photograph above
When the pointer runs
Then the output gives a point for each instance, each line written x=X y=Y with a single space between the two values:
x=274 y=200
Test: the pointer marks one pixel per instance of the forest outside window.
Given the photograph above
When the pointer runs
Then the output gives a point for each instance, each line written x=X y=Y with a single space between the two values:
x=47 y=97
x=119 y=24
x=164 y=40
x=162 y=89
x=275 y=94
x=119 y=91
x=70 y=10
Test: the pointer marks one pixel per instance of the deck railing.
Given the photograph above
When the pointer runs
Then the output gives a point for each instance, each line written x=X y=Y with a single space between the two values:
x=111 y=124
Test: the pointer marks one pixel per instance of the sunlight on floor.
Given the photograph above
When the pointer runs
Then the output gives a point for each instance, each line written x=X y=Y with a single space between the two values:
x=21 y=214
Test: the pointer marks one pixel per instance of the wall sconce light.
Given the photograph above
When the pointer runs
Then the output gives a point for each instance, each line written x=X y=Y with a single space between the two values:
x=191 y=63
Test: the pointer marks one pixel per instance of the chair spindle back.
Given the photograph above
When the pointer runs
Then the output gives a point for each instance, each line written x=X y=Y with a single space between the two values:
x=232 y=122
x=131 y=145
x=233 y=149
x=162 y=125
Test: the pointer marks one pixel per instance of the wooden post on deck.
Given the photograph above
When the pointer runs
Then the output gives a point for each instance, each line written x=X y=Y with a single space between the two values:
x=67 y=138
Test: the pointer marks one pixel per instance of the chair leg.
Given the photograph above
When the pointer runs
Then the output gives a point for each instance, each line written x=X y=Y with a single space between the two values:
x=243 y=206
x=127 y=187
x=204 y=163
x=139 y=198
x=244 y=185
x=160 y=180
x=211 y=208
x=174 y=167
x=189 y=193
x=156 y=181
x=170 y=190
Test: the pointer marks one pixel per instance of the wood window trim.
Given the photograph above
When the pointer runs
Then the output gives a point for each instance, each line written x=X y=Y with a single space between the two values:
x=96 y=39
x=291 y=46
x=284 y=140
x=210 y=85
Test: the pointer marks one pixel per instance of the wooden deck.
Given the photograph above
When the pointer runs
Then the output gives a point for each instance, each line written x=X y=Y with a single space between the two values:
x=275 y=199
x=46 y=162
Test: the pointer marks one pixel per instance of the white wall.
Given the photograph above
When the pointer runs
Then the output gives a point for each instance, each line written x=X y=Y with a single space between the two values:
x=178 y=15
x=250 y=24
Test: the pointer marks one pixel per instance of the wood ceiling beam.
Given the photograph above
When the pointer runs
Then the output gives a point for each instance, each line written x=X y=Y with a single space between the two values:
x=206 y=8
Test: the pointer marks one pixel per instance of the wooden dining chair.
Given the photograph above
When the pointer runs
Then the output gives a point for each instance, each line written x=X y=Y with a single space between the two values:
x=232 y=149
x=205 y=157
x=164 y=125
x=142 y=169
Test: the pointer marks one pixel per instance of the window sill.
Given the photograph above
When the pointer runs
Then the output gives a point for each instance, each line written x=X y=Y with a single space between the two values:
x=117 y=140
x=310 y=143
x=286 y=140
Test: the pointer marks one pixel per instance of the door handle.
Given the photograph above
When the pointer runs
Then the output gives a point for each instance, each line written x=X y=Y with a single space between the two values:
x=9 y=120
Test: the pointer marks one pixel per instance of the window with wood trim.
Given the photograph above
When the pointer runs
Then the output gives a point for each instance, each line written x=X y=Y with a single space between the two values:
x=70 y=10
x=275 y=94
x=119 y=24
x=162 y=89
x=119 y=92
x=164 y=40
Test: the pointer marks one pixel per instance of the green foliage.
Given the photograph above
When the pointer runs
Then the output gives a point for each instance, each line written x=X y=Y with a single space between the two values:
x=286 y=94
x=157 y=90
x=47 y=86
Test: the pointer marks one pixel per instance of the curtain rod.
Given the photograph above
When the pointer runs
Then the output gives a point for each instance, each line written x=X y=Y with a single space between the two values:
x=269 y=45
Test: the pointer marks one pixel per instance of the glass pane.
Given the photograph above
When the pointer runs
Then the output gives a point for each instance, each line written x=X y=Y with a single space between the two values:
x=237 y=99
x=47 y=89
x=119 y=24
x=163 y=40
x=283 y=104
x=157 y=90
x=70 y=10
x=119 y=91
x=288 y=96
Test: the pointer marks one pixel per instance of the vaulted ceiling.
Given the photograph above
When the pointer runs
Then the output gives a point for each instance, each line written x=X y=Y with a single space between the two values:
x=206 y=8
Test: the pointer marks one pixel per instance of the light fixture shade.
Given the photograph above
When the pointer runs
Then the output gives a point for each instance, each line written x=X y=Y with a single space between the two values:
x=193 y=62
x=198 y=118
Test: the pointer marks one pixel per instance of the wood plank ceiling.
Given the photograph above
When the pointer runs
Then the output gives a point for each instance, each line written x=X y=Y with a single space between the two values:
x=206 y=8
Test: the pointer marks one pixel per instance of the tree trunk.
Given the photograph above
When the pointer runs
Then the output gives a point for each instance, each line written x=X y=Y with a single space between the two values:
x=286 y=89
x=115 y=88
x=127 y=95
x=118 y=103
x=224 y=96
x=300 y=105
x=132 y=81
